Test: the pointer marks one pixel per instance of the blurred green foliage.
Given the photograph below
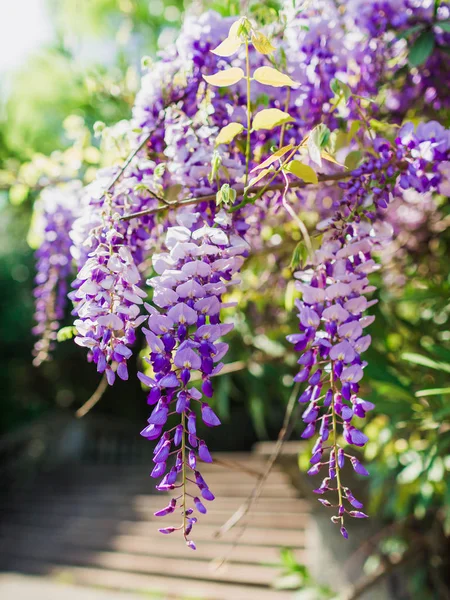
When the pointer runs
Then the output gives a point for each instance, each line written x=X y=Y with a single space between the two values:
x=89 y=73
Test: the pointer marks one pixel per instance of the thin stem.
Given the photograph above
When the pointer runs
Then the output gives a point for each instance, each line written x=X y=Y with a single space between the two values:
x=183 y=476
x=365 y=122
x=335 y=449
x=96 y=396
x=239 y=194
x=245 y=508
x=249 y=114
x=130 y=157
x=286 y=107
x=266 y=187
x=296 y=218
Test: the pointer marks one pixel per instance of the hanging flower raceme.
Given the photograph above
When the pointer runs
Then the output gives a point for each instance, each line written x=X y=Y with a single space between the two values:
x=417 y=160
x=107 y=296
x=331 y=342
x=59 y=206
x=184 y=328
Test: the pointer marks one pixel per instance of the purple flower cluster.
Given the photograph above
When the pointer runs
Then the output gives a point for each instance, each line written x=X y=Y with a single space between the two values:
x=183 y=332
x=331 y=342
x=385 y=23
x=54 y=265
x=107 y=296
x=425 y=149
x=416 y=161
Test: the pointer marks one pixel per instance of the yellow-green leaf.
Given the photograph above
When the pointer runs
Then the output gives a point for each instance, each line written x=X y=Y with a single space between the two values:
x=241 y=27
x=290 y=295
x=261 y=43
x=270 y=118
x=353 y=159
x=225 y=77
x=275 y=156
x=304 y=172
x=234 y=29
x=228 y=133
x=66 y=333
x=260 y=175
x=18 y=193
x=380 y=126
x=354 y=128
x=229 y=46
x=330 y=158
x=273 y=77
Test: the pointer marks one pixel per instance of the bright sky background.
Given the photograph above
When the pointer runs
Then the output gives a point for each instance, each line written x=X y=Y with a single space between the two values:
x=24 y=26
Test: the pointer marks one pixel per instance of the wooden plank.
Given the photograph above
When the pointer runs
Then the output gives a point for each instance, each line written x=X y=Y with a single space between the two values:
x=172 y=546
x=235 y=488
x=217 y=516
x=154 y=501
x=19 y=587
x=165 y=585
x=185 y=567
x=202 y=531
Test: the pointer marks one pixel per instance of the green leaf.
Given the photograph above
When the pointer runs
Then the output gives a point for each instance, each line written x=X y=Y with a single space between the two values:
x=330 y=158
x=261 y=43
x=354 y=128
x=66 y=333
x=340 y=88
x=353 y=159
x=216 y=163
x=299 y=256
x=317 y=140
x=270 y=118
x=18 y=193
x=444 y=25
x=257 y=415
x=290 y=296
x=425 y=361
x=304 y=172
x=411 y=472
x=410 y=31
x=422 y=49
x=254 y=180
x=271 y=159
x=433 y=392
x=341 y=92
x=380 y=126
x=226 y=195
x=287 y=558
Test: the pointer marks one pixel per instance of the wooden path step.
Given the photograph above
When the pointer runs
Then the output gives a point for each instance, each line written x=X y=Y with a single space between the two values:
x=210 y=550
x=84 y=526
x=65 y=509
x=94 y=526
x=165 y=585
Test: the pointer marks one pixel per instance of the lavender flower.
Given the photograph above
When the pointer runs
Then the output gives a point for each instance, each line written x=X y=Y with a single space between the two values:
x=58 y=207
x=332 y=340
x=183 y=333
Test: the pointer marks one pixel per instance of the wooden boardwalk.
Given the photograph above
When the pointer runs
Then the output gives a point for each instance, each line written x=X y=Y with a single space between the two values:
x=94 y=526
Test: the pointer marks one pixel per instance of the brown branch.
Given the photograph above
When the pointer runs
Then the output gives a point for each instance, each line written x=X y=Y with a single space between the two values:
x=96 y=396
x=239 y=194
x=130 y=157
x=367 y=582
